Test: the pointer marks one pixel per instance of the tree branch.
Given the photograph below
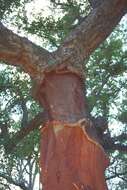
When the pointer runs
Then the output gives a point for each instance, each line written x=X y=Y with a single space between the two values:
x=12 y=181
x=121 y=137
x=95 y=3
x=119 y=147
x=87 y=36
x=116 y=175
x=19 y=51
x=38 y=120
x=24 y=120
x=5 y=185
x=110 y=144
x=77 y=46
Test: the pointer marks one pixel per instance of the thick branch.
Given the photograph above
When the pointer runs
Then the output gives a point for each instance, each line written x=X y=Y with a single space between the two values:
x=24 y=113
x=121 y=137
x=81 y=42
x=116 y=175
x=5 y=185
x=111 y=145
x=95 y=3
x=119 y=147
x=21 y=52
x=86 y=37
x=33 y=124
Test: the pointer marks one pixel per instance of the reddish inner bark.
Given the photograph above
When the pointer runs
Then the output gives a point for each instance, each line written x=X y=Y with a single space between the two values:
x=71 y=159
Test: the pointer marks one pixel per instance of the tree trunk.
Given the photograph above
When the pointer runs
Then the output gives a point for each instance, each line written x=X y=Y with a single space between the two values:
x=71 y=156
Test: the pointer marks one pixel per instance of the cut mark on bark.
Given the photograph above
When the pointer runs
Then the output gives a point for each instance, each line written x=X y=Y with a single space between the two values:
x=76 y=186
x=82 y=187
x=94 y=142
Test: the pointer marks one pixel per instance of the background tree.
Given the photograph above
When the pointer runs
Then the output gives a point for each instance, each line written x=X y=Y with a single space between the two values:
x=107 y=69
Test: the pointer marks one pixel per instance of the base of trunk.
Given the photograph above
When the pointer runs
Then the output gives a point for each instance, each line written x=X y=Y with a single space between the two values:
x=70 y=159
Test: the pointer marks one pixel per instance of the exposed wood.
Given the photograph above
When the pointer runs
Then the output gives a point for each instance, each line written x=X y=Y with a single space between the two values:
x=68 y=140
x=68 y=106
x=108 y=143
x=70 y=159
x=71 y=156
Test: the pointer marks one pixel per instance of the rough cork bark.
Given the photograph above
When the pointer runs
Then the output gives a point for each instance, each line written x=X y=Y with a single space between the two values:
x=71 y=157
x=77 y=46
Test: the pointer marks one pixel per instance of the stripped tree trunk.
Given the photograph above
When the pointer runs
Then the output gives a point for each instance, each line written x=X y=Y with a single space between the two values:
x=71 y=156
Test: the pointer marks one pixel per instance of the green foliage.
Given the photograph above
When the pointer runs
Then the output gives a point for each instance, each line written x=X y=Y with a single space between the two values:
x=8 y=6
x=122 y=115
x=106 y=85
x=5 y=6
x=14 y=92
x=118 y=168
x=52 y=29
x=106 y=71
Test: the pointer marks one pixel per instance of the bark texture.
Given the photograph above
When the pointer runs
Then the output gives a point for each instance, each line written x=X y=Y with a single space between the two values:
x=86 y=37
x=71 y=156
x=61 y=94
x=19 y=51
x=77 y=46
